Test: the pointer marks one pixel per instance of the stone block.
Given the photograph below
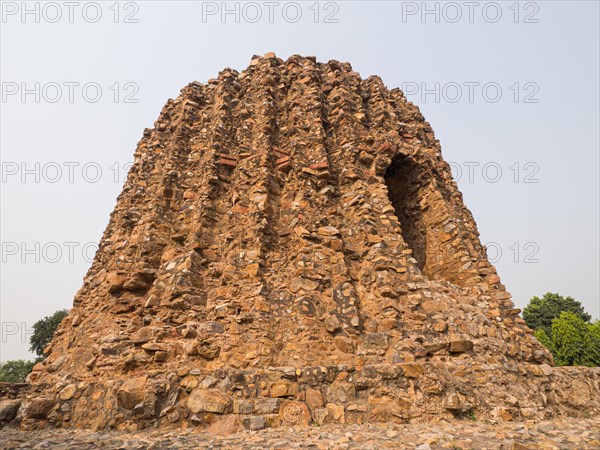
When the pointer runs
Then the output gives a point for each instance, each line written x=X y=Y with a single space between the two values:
x=209 y=400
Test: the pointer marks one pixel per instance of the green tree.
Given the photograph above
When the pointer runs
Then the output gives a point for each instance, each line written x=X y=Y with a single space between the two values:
x=43 y=331
x=591 y=356
x=544 y=339
x=573 y=342
x=569 y=334
x=15 y=371
x=540 y=312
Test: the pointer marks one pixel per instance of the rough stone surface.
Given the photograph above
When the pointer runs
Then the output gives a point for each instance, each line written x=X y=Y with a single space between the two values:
x=131 y=392
x=12 y=390
x=292 y=232
x=209 y=401
x=9 y=409
x=568 y=434
x=39 y=408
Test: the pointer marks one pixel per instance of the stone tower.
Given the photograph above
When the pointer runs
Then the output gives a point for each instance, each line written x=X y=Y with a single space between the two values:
x=290 y=247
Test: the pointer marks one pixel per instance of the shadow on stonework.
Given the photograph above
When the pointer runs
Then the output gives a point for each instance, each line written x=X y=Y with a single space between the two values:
x=407 y=184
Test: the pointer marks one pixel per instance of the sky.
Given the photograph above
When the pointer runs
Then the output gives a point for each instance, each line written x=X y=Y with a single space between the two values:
x=510 y=88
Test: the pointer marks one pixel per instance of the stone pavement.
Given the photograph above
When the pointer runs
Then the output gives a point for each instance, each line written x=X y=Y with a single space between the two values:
x=564 y=433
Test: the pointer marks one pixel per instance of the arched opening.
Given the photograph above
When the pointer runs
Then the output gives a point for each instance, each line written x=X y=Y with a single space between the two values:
x=406 y=183
x=431 y=225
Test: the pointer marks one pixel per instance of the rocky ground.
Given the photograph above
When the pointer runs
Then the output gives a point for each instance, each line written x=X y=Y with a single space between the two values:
x=556 y=434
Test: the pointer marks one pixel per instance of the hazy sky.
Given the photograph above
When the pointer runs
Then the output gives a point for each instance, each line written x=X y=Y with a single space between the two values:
x=512 y=92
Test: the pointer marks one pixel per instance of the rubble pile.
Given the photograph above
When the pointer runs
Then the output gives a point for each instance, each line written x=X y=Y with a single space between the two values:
x=290 y=248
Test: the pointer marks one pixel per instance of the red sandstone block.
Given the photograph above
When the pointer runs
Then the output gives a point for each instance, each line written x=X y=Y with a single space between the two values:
x=319 y=166
x=227 y=161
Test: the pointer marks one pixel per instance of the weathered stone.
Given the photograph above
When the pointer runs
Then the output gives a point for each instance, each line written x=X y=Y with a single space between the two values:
x=344 y=344
x=432 y=306
x=143 y=335
x=320 y=415
x=579 y=393
x=39 y=408
x=208 y=351
x=456 y=402
x=68 y=392
x=411 y=370
x=131 y=392
x=254 y=423
x=224 y=427
x=283 y=389
x=154 y=347
x=302 y=283
x=332 y=324
x=314 y=399
x=173 y=417
x=160 y=356
x=9 y=409
x=341 y=392
x=440 y=326
x=329 y=231
x=190 y=348
x=460 y=346
x=435 y=347
x=539 y=371
x=294 y=413
x=375 y=341
x=243 y=406
x=209 y=401
x=267 y=405
x=336 y=411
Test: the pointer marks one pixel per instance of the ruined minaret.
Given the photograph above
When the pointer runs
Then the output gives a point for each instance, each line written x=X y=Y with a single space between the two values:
x=290 y=247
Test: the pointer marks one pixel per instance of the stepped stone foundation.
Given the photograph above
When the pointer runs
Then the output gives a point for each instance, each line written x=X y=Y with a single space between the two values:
x=290 y=248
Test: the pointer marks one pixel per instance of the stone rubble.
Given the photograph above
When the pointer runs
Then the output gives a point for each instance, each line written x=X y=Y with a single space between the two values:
x=566 y=433
x=290 y=249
